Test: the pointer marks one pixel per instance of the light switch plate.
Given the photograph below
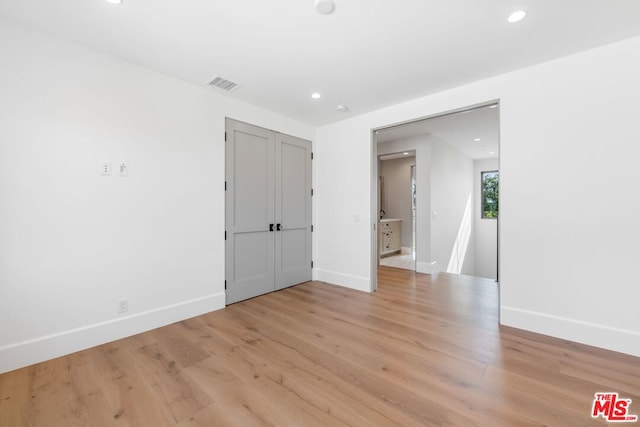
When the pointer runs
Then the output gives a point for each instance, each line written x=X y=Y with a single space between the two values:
x=105 y=169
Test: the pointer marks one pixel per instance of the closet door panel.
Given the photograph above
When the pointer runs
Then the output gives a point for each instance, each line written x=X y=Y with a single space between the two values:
x=293 y=211
x=267 y=209
x=249 y=211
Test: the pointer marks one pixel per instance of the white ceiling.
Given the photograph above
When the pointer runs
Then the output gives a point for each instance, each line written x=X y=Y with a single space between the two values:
x=459 y=130
x=368 y=54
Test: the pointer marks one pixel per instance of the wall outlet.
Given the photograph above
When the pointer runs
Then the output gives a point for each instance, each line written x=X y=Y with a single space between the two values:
x=123 y=305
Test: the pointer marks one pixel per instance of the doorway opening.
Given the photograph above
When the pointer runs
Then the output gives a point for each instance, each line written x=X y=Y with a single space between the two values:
x=396 y=189
x=450 y=229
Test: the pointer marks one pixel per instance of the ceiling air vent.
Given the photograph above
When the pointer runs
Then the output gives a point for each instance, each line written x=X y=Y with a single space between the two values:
x=224 y=84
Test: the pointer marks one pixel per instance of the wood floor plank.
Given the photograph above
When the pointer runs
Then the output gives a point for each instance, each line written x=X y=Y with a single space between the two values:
x=389 y=392
x=423 y=350
x=295 y=374
x=131 y=399
x=177 y=390
x=269 y=375
x=15 y=399
x=89 y=392
x=181 y=350
x=235 y=401
x=55 y=394
x=446 y=379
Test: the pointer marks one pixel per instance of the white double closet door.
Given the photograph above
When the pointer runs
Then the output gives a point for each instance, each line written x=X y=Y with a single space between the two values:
x=267 y=212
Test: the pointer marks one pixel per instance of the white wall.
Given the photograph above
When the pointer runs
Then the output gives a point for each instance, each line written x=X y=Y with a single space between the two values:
x=569 y=193
x=485 y=229
x=72 y=242
x=451 y=209
x=396 y=195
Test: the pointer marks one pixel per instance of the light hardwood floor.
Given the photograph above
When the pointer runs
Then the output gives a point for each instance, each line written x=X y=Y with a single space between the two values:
x=422 y=351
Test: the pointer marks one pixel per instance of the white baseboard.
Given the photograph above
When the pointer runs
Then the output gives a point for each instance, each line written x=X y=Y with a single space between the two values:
x=48 y=347
x=427 y=267
x=345 y=280
x=616 y=339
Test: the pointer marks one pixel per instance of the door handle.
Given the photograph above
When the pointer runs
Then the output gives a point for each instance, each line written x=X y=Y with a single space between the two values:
x=278 y=227
x=270 y=227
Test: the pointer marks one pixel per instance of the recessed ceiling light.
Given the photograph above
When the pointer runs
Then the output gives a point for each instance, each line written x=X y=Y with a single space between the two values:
x=315 y=95
x=492 y=152
x=477 y=139
x=405 y=153
x=516 y=16
x=342 y=108
x=324 y=6
x=114 y=1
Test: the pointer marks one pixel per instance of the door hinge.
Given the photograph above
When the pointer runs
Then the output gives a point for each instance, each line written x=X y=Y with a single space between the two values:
x=311 y=264
x=225 y=285
x=312 y=191
x=225 y=234
x=225 y=137
x=312 y=155
x=225 y=186
x=312 y=228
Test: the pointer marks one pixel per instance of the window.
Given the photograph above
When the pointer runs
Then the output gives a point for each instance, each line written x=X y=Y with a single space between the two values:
x=490 y=194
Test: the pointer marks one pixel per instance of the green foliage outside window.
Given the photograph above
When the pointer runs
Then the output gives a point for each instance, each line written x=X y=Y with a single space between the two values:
x=490 y=194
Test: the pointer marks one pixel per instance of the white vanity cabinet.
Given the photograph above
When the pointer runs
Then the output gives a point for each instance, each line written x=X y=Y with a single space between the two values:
x=389 y=236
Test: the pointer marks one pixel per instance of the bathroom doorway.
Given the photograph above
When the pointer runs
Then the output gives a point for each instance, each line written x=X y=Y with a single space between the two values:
x=396 y=236
x=452 y=151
